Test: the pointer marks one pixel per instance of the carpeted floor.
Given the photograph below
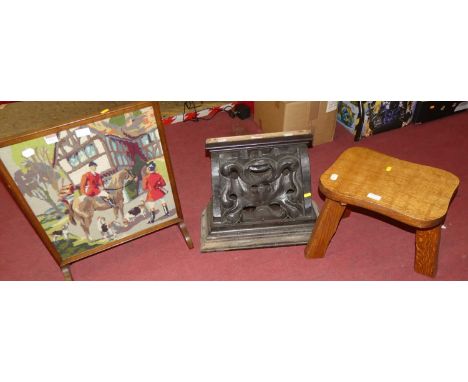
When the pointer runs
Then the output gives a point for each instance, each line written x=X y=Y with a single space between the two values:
x=364 y=248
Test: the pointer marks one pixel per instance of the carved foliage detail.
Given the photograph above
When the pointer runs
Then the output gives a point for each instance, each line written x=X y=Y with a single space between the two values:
x=262 y=184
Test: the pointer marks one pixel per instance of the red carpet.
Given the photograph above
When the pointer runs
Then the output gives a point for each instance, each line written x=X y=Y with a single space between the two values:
x=364 y=248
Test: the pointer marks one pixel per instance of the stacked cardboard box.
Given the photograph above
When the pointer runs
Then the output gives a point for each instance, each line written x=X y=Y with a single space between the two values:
x=317 y=116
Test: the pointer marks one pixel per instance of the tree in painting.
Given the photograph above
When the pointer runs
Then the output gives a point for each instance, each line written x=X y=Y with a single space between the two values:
x=37 y=178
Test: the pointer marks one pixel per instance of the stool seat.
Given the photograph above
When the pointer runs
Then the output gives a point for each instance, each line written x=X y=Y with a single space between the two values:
x=414 y=194
x=411 y=193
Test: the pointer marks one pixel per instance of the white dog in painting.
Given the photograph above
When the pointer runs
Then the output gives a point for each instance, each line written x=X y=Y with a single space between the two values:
x=106 y=230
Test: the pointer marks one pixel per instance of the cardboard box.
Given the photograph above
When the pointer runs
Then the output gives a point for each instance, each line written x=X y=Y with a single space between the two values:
x=317 y=116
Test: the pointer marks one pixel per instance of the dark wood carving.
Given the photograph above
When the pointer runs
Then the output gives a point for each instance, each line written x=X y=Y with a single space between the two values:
x=260 y=191
x=259 y=185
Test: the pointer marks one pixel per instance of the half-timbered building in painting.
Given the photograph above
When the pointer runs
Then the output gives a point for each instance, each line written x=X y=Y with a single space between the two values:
x=110 y=152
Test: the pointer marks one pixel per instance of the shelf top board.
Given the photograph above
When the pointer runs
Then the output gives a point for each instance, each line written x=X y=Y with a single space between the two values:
x=289 y=137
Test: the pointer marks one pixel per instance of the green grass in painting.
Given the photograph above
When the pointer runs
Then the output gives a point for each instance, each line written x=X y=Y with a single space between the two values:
x=74 y=244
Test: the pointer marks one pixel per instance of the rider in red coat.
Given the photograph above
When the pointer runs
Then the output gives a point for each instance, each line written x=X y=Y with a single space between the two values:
x=154 y=183
x=91 y=184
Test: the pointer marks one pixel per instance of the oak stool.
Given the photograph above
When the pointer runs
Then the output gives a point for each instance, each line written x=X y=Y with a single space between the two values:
x=410 y=193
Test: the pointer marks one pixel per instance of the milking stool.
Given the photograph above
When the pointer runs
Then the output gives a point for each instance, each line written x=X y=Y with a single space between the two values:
x=410 y=193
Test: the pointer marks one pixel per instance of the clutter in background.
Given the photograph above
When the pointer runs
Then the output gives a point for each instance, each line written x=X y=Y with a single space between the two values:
x=428 y=111
x=192 y=111
x=365 y=118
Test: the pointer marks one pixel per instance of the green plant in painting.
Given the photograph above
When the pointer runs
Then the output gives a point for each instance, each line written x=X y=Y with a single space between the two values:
x=132 y=190
x=162 y=169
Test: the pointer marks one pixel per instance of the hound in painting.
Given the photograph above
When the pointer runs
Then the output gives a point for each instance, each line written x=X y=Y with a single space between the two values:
x=61 y=233
x=134 y=212
x=106 y=231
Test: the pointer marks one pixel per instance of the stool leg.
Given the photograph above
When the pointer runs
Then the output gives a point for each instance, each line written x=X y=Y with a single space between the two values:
x=427 y=250
x=324 y=229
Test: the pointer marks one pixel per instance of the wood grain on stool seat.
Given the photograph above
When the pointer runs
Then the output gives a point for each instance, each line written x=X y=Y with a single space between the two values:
x=411 y=193
x=414 y=194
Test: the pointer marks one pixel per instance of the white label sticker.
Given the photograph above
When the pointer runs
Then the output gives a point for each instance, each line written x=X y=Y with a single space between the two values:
x=334 y=176
x=51 y=139
x=374 y=196
x=28 y=153
x=331 y=105
x=82 y=132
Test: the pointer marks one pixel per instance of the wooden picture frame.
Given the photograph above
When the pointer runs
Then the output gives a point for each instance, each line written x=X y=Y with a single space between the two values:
x=110 y=174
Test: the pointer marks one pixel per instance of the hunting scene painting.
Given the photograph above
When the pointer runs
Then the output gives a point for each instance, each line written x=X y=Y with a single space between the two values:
x=95 y=183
